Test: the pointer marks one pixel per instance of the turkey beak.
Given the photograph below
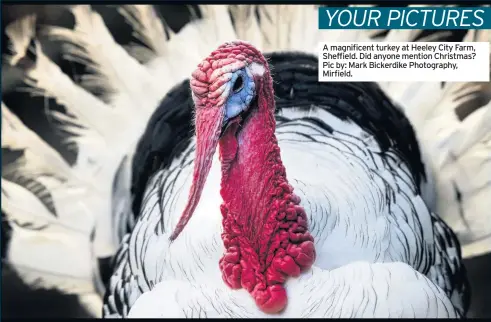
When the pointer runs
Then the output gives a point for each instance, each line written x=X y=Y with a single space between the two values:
x=208 y=126
x=225 y=125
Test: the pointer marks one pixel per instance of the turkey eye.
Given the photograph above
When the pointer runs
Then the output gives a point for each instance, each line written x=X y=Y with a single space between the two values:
x=239 y=83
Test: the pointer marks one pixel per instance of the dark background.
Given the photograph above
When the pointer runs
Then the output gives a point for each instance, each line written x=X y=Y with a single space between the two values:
x=18 y=299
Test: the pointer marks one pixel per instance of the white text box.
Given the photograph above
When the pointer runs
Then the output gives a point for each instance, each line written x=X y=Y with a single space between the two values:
x=404 y=61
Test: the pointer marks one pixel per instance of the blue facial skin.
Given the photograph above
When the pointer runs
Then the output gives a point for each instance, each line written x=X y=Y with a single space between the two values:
x=241 y=94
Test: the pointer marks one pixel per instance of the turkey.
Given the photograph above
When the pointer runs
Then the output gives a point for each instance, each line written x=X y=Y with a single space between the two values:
x=225 y=181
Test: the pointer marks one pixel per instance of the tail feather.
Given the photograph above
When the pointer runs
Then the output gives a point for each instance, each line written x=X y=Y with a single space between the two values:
x=461 y=157
x=39 y=156
x=453 y=125
x=271 y=18
x=245 y=23
x=45 y=204
x=148 y=28
x=220 y=23
x=131 y=89
x=41 y=250
x=20 y=32
x=86 y=118
x=39 y=163
x=101 y=144
x=286 y=28
x=185 y=50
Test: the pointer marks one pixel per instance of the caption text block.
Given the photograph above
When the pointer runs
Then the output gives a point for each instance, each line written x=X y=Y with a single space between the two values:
x=404 y=61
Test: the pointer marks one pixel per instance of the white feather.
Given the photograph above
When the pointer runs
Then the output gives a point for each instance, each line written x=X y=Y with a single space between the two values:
x=315 y=294
x=186 y=49
x=20 y=33
x=47 y=251
x=457 y=153
x=134 y=90
x=38 y=155
x=148 y=28
x=89 y=113
x=350 y=221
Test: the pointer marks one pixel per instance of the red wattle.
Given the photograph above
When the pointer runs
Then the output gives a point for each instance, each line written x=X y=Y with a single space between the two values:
x=285 y=249
x=265 y=231
x=272 y=300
